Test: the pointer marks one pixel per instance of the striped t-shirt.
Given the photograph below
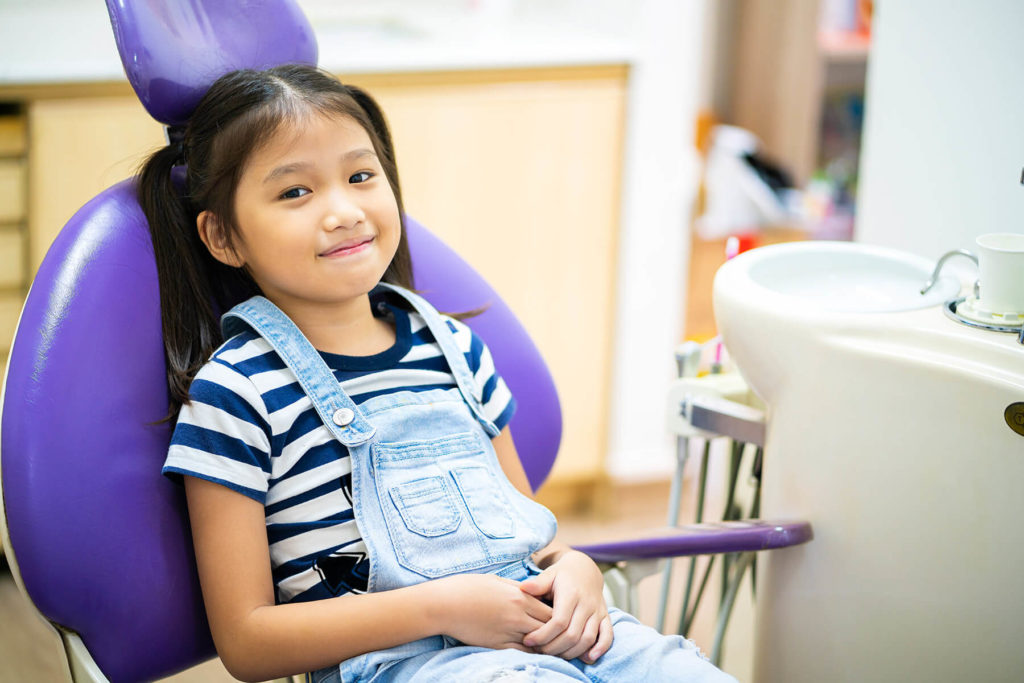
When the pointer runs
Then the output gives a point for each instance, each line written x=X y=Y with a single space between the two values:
x=250 y=427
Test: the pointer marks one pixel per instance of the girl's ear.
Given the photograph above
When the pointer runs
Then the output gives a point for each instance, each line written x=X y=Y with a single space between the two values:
x=211 y=232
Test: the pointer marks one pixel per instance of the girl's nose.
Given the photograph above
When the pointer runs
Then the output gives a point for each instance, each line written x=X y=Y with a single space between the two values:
x=342 y=212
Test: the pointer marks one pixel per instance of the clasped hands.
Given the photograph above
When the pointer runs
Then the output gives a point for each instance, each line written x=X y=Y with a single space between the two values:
x=559 y=612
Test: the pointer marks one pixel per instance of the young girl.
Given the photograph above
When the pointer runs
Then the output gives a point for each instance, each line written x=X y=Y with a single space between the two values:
x=358 y=508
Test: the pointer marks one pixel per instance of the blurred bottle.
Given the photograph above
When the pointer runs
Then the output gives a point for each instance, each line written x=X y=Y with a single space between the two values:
x=743 y=191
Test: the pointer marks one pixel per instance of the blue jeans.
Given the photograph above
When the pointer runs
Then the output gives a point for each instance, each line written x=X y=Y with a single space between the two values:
x=638 y=653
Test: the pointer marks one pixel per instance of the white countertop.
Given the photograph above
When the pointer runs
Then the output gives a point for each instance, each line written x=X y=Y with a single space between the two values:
x=67 y=42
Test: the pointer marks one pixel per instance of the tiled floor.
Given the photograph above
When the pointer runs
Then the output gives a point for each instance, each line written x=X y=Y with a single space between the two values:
x=30 y=652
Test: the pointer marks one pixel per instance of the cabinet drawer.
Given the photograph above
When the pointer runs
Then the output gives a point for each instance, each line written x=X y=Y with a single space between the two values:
x=12 y=190
x=12 y=258
x=12 y=136
x=10 y=309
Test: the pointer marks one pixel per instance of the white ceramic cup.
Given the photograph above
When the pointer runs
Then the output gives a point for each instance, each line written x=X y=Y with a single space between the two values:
x=1001 y=266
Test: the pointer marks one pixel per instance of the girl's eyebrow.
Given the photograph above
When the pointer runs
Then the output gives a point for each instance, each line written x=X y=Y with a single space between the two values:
x=285 y=170
x=297 y=166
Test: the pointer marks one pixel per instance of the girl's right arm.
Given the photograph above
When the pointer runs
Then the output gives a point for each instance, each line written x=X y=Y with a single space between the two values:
x=258 y=640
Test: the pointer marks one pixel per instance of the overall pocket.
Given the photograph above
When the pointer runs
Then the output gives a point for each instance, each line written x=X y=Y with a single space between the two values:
x=491 y=513
x=426 y=506
x=426 y=489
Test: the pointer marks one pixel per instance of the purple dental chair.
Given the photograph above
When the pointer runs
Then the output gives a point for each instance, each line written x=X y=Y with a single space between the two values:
x=95 y=536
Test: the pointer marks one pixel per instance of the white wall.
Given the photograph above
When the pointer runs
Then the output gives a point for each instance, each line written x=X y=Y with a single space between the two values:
x=944 y=128
x=659 y=179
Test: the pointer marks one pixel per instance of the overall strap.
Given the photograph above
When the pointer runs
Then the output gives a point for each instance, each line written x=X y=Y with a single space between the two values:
x=336 y=409
x=471 y=390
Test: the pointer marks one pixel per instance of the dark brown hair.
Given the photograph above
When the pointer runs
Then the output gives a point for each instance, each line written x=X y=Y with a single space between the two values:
x=241 y=111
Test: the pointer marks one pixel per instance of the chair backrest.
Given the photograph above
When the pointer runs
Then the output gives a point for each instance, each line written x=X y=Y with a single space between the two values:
x=173 y=51
x=99 y=538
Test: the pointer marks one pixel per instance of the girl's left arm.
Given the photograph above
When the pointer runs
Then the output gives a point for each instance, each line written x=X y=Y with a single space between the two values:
x=579 y=625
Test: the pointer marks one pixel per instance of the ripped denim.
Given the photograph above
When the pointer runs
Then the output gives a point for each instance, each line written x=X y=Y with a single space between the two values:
x=639 y=653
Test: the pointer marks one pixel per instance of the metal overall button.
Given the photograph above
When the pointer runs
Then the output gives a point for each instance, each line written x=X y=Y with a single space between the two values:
x=343 y=417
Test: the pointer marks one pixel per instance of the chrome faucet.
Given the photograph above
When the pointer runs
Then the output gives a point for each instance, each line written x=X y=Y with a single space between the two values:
x=942 y=261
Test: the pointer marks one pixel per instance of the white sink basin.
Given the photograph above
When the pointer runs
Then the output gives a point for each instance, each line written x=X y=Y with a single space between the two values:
x=836 y=276
x=887 y=429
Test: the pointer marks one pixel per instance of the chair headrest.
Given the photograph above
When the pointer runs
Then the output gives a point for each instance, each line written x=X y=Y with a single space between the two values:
x=173 y=51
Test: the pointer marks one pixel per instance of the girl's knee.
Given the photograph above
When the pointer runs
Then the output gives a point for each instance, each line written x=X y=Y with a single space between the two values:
x=640 y=652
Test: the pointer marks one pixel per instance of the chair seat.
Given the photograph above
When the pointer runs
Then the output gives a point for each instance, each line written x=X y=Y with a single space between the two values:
x=708 y=538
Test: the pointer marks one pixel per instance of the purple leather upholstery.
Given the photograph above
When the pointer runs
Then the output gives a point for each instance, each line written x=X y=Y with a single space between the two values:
x=100 y=539
x=173 y=51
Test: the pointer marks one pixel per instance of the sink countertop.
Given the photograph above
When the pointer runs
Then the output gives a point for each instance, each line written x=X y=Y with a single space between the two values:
x=64 y=42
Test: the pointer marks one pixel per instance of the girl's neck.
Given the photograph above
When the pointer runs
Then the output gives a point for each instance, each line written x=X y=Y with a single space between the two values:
x=348 y=328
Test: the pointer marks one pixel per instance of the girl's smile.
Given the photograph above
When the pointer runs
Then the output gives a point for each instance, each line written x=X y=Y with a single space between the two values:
x=350 y=247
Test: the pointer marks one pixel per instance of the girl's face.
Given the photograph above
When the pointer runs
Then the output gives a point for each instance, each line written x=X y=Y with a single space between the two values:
x=317 y=220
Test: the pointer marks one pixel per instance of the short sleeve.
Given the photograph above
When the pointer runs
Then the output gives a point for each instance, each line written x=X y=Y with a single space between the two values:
x=499 y=405
x=223 y=434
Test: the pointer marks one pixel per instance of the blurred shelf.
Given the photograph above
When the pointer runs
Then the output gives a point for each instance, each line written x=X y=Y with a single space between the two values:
x=844 y=46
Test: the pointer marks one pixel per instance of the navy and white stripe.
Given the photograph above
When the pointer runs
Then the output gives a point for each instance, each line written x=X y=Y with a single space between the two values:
x=250 y=427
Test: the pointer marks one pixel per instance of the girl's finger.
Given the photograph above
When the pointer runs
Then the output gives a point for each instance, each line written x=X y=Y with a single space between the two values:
x=570 y=636
x=512 y=645
x=605 y=637
x=539 y=585
x=527 y=625
x=541 y=611
x=561 y=618
x=586 y=640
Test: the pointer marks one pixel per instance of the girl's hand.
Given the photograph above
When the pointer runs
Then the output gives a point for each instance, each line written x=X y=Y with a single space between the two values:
x=487 y=610
x=579 y=625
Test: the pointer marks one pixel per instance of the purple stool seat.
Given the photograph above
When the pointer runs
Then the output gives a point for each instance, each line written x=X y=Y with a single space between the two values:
x=708 y=538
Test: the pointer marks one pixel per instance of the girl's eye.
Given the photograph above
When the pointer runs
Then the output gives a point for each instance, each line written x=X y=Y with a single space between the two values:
x=360 y=177
x=294 y=193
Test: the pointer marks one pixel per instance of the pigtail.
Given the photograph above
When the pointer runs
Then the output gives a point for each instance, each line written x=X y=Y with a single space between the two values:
x=190 y=329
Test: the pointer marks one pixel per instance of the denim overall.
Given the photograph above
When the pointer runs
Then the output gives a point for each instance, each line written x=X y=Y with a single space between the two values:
x=429 y=495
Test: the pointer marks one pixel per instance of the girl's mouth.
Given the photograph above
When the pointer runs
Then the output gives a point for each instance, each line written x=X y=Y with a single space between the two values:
x=348 y=247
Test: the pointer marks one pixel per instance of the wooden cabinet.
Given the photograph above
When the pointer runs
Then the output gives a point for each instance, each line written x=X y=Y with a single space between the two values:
x=57 y=151
x=12 y=190
x=78 y=147
x=518 y=170
x=13 y=193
